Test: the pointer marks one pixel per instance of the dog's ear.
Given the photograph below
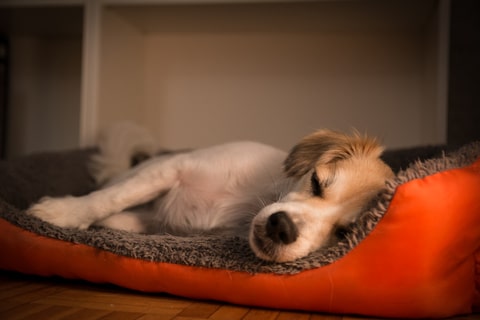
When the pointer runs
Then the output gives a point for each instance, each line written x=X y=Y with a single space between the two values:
x=325 y=147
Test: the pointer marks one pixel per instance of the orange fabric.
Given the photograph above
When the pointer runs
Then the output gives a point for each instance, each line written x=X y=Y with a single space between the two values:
x=422 y=260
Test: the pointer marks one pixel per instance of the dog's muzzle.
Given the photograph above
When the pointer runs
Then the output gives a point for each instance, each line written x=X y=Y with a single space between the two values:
x=281 y=229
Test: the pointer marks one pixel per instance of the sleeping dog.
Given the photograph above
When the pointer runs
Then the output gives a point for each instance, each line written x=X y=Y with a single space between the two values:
x=287 y=205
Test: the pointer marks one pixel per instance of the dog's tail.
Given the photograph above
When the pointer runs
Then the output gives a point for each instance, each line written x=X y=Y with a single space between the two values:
x=122 y=146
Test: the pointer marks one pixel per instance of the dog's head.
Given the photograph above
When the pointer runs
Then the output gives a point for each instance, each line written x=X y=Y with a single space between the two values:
x=336 y=176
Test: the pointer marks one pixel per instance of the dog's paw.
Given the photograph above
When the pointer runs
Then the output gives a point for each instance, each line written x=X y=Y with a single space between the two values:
x=67 y=212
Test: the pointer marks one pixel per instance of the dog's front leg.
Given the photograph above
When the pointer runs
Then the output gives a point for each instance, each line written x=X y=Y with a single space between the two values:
x=138 y=188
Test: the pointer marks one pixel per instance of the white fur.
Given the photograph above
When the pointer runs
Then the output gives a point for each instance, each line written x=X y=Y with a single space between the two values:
x=231 y=189
x=118 y=144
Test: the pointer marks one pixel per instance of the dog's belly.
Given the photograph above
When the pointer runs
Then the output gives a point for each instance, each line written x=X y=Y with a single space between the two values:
x=221 y=190
x=186 y=212
x=212 y=203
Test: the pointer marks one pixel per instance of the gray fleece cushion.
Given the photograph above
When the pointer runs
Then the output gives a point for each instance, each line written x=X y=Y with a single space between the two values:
x=25 y=180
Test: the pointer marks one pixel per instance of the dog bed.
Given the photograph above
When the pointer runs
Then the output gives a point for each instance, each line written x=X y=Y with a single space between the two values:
x=414 y=252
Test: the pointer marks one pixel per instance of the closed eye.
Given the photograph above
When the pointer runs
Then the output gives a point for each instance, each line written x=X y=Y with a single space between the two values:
x=317 y=189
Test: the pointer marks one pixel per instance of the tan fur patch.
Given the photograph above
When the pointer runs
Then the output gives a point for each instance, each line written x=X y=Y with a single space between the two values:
x=326 y=146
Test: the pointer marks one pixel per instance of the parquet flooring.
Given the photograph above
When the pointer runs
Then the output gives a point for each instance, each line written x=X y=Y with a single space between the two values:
x=36 y=298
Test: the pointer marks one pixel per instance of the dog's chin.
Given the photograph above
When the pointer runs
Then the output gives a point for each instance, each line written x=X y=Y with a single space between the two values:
x=265 y=249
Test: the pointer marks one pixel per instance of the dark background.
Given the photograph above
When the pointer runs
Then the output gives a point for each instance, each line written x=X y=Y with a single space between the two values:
x=464 y=73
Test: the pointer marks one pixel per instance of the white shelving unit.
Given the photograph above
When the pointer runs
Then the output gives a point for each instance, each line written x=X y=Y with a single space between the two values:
x=203 y=72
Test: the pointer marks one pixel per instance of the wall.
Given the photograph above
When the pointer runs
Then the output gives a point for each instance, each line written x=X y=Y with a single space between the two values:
x=209 y=77
x=45 y=77
x=44 y=94
x=197 y=75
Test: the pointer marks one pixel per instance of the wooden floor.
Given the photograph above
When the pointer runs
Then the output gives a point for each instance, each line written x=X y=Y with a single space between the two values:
x=28 y=297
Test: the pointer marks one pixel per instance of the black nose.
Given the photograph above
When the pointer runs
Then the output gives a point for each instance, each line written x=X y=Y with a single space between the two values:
x=281 y=229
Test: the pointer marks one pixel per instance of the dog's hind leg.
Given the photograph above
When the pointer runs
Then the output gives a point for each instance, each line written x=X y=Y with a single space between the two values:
x=135 y=220
x=141 y=186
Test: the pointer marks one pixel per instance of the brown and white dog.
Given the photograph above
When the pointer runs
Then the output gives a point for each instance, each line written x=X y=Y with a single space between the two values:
x=287 y=205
